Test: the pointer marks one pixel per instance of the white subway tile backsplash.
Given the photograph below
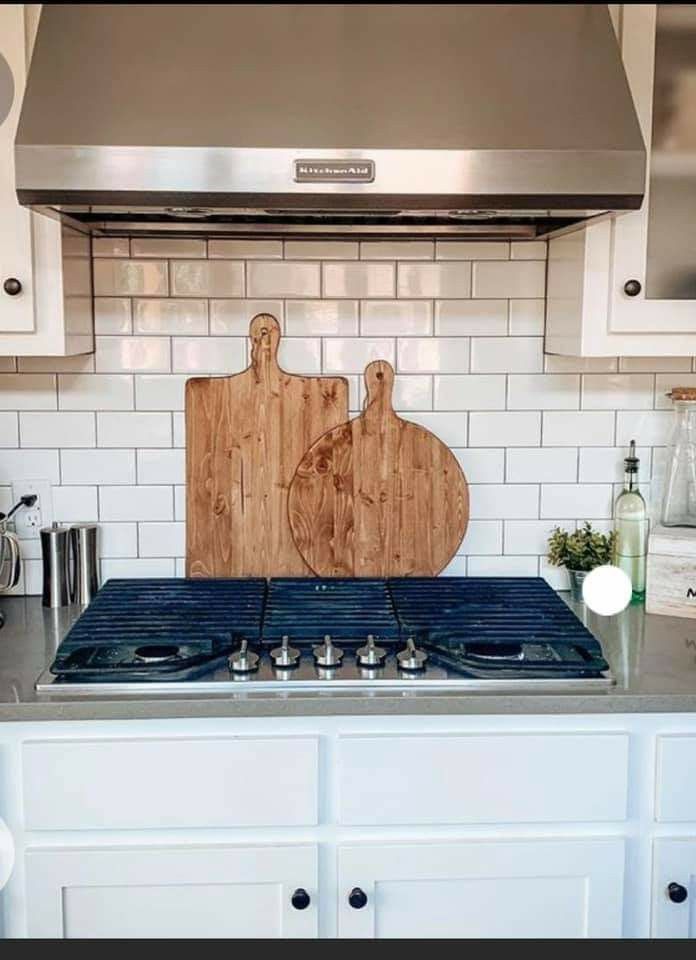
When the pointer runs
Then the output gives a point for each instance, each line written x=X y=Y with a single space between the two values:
x=56 y=429
x=451 y=428
x=9 y=431
x=111 y=443
x=160 y=391
x=492 y=501
x=646 y=427
x=167 y=247
x=97 y=466
x=472 y=250
x=321 y=250
x=506 y=355
x=397 y=250
x=112 y=315
x=206 y=355
x=527 y=318
x=358 y=280
x=133 y=429
x=570 y=429
x=528 y=250
x=352 y=354
x=503 y=566
x=75 y=504
x=233 y=317
x=544 y=391
x=170 y=316
x=470 y=392
x=132 y=354
x=137 y=568
x=89 y=391
x=509 y=429
x=21 y=391
x=300 y=355
x=161 y=466
x=283 y=279
x=579 y=500
x=432 y=354
x=611 y=391
x=131 y=278
x=531 y=536
x=136 y=503
x=542 y=464
x=483 y=537
x=395 y=318
x=471 y=318
x=207 y=278
x=28 y=465
x=434 y=280
x=245 y=249
x=456 y=567
x=557 y=577
x=524 y=278
x=321 y=318
x=482 y=466
x=118 y=540
x=162 y=539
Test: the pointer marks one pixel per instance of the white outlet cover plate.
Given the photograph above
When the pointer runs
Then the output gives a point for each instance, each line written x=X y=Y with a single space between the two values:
x=28 y=521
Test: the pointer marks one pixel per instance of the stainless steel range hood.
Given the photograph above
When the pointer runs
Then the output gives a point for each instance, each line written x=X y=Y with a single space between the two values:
x=268 y=119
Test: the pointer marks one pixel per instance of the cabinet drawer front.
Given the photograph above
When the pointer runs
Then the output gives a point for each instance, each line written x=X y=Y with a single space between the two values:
x=675 y=790
x=514 y=778
x=145 y=783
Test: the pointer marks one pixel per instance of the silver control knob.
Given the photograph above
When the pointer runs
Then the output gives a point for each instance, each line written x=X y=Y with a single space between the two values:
x=285 y=655
x=411 y=658
x=371 y=655
x=244 y=660
x=327 y=655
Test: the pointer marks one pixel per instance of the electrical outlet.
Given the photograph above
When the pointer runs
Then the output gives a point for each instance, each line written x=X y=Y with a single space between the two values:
x=29 y=520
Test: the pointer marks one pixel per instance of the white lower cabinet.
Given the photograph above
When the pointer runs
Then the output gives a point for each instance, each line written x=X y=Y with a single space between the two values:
x=516 y=888
x=674 y=888
x=176 y=891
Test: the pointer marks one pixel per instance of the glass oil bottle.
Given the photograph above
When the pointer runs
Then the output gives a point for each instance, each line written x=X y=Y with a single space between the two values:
x=631 y=526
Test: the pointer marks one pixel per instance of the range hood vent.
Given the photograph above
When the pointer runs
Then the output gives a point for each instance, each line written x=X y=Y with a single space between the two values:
x=372 y=119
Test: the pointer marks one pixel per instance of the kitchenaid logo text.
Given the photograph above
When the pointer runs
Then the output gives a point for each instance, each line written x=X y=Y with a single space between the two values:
x=334 y=171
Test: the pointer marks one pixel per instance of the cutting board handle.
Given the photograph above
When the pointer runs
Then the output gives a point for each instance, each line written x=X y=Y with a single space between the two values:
x=379 y=381
x=264 y=333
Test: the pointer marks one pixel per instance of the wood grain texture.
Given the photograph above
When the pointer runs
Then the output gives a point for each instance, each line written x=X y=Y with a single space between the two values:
x=378 y=496
x=245 y=435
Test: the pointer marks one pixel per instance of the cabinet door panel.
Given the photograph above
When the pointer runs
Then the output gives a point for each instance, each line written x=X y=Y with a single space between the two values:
x=216 y=891
x=675 y=862
x=16 y=312
x=521 y=888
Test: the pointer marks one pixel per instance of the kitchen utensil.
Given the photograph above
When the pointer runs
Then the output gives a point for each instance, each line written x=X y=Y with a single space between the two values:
x=378 y=496
x=83 y=549
x=55 y=554
x=10 y=559
x=245 y=435
x=679 y=498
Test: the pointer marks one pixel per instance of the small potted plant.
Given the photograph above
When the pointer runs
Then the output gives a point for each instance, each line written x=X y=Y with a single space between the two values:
x=579 y=552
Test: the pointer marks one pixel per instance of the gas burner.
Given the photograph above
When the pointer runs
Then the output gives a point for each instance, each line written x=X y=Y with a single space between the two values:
x=495 y=651
x=156 y=652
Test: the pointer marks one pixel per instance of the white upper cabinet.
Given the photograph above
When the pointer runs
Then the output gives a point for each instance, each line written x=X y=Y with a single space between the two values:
x=45 y=269
x=627 y=286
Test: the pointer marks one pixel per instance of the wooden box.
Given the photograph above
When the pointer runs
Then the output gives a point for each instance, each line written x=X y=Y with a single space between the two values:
x=671 y=573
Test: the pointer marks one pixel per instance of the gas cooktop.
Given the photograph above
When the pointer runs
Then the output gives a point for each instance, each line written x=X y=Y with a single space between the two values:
x=302 y=633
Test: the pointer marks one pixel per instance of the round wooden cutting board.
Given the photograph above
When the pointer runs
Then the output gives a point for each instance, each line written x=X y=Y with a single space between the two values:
x=378 y=496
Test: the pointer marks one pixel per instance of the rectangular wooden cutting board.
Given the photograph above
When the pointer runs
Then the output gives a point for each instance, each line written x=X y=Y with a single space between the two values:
x=245 y=435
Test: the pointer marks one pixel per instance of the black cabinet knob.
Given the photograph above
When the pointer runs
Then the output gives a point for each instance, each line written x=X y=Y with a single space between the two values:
x=632 y=288
x=300 y=899
x=357 y=898
x=677 y=893
x=12 y=286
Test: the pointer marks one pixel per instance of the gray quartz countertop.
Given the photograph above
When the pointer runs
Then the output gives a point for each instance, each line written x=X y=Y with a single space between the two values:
x=652 y=658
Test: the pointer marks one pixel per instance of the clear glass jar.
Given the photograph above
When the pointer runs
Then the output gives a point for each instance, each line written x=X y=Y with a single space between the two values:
x=679 y=498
